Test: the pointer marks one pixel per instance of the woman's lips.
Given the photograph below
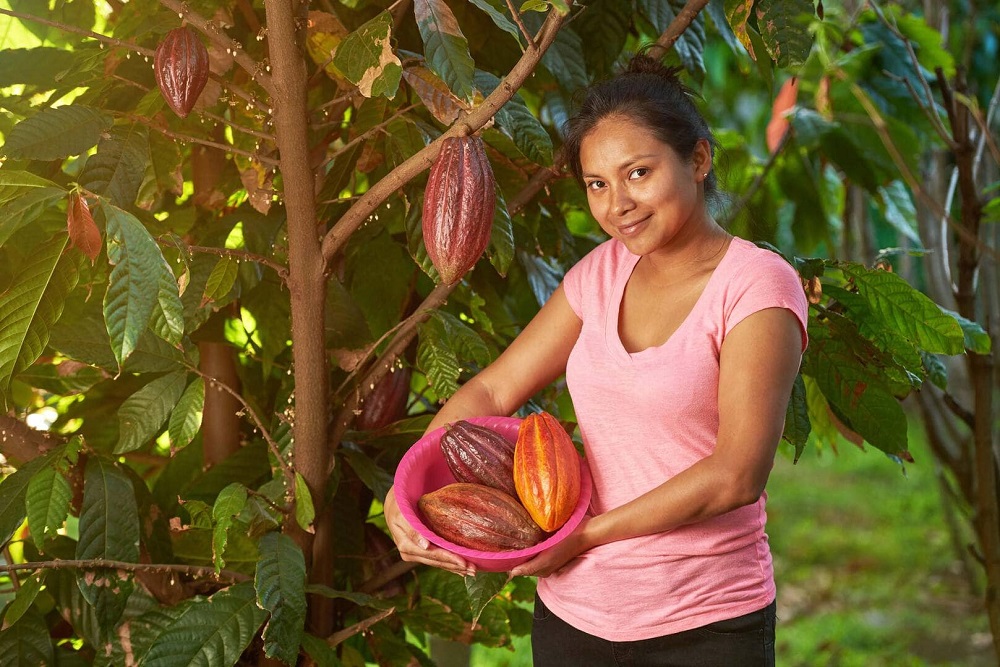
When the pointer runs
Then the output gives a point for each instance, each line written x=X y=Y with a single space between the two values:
x=632 y=227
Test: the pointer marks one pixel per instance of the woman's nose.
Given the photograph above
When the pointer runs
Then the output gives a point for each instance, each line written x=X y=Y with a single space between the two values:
x=622 y=202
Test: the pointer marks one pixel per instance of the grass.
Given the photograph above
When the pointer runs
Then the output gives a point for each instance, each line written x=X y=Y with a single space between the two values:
x=866 y=571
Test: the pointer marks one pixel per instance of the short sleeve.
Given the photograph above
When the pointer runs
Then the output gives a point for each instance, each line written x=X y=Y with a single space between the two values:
x=573 y=288
x=767 y=282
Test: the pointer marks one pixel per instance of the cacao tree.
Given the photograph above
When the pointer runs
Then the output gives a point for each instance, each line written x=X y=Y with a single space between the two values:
x=221 y=326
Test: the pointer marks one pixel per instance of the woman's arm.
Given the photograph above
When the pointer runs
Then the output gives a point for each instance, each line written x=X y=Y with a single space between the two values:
x=535 y=358
x=757 y=366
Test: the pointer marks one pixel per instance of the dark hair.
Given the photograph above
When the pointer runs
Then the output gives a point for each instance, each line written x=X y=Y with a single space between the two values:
x=654 y=96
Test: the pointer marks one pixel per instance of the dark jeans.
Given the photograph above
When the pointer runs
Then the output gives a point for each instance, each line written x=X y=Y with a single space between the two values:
x=745 y=641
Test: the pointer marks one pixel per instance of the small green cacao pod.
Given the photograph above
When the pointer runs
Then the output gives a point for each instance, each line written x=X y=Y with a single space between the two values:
x=478 y=454
x=458 y=207
x=181 y=68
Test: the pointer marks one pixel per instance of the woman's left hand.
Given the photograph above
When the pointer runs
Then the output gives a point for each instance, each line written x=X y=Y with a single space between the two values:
x=554 y=558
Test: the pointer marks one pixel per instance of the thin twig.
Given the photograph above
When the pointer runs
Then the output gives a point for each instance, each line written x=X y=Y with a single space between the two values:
x=274 y=505
x=395 y=570
x=101 y=564
x=226 y=148
x=209 y=28
x=272 y=445
x=365 y=135
x=342 y=635
x=520 y=24
x=80 y=31
x=237 y=126
x=280 y=269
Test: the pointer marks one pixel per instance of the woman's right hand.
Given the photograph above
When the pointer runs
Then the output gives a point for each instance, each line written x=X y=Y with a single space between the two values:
x=414 y=547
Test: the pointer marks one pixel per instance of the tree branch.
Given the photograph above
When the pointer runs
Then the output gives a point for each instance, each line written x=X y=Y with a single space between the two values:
x=342 y=635
x=211 y=30
x=100 y=564
x=520 y=24
x=677 y=27
x=338 y=236
x=278 y=268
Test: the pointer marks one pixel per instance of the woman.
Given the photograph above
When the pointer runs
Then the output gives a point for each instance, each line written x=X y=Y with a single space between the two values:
x=680 y=345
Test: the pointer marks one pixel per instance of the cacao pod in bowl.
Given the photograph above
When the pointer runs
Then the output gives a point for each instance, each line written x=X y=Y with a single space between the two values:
x=423 y=469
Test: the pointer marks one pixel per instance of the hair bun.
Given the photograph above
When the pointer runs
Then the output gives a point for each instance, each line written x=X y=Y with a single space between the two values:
x=644 y=64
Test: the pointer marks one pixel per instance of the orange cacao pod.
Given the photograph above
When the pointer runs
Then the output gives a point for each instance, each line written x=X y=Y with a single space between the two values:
x=546 y=470
x=479 y=517
x=478 y=454
x=458 y=207
x=387 y=402
x=181 y=67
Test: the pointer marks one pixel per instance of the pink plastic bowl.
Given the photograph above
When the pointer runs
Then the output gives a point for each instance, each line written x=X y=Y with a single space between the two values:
x=423 y=469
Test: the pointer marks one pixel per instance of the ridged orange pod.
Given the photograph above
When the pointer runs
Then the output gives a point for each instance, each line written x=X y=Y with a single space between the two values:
x=546 y=471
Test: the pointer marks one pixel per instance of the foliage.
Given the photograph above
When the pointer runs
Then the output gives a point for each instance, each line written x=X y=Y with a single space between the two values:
x=194 y=307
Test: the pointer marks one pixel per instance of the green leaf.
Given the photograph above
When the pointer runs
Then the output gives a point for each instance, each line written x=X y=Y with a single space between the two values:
x=168 y=312
x=499 y=18
x=13 y=490
x=31 y=306
x=320 y=652
x=142 y=415
x=716 y=10
x=900 y=306
x=516 y=121
x=27 y=207
x=117 y=168
x=360 y=599
x=27 y=643
x=25 y=597
x=230 y=503
x=15 y=184
x=563 y=60
x=133 y=287
x=439 y=363
x=47 y=504
x=366 y=58
x=483 y=587
x=212 y=632
x=898 y=209
x=53 y=134
x=784 y=27
x=140 y=633
x=37 y=67
x=221 y=280
x=468 y=345
x=976 y=339
x=501 y=248
x=185 y=420
x=797 y=426
x=109 y=530
x=376 y=478
x=691 y=43
x=445 y=47
x=280 y=581
x=305 y=512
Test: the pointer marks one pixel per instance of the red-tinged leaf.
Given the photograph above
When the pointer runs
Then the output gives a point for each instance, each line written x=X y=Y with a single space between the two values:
x=435 y=94
x=83 y=232
x=777 y=127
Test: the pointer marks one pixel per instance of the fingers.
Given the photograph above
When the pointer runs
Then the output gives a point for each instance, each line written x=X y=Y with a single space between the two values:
x=414 y=547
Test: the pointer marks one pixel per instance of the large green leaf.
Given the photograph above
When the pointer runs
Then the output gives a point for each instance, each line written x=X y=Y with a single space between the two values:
x=902 y=307
x=797 y=426
x=142 y=415
x=185 y=420
x=501 y=248
x=366 y=58
x=109 y=530
x=13 y=490
x=37 y=67
x=280 y=581
x=117 y=168
x=691 y=43
x=516 y=121
x=47 y=504
x=230 y=502
x=438 y=362
x=976 y=338
x=168 y=313
x=445 y=47
x=134 y=284
x=29 y=589
x=211 y=633
x=27 y=643
x=57 y=133
x=31 y=306
x=784 y=27
x=495 y=10
x=15 y=184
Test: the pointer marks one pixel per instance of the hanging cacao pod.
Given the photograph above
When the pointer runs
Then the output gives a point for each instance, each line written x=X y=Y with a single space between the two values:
x=546 y=470
x=181 y=67
x=479 y=517
x=387 y=402
x=458 y=207
x=478 y=454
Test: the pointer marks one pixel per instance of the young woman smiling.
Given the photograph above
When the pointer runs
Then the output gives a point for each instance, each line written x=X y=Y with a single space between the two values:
x=680 y=345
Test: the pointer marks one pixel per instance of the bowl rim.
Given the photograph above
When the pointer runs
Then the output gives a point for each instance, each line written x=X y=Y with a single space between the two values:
x=406 y=506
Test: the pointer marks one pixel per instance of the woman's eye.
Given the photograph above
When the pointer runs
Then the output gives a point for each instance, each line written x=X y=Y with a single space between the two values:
x=595 y=185
x=638 y=172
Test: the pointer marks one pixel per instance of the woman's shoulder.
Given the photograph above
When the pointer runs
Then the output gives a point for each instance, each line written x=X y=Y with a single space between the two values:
x=749 y=259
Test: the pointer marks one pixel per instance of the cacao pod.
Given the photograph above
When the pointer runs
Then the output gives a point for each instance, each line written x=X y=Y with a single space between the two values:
x=387 y=402
x=546 y=470
x=478 y=454
x=479 y=517
x=181 y=68
x=458 y=207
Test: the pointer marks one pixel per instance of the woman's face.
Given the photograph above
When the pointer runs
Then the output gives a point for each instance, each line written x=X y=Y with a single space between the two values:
x=639 y=190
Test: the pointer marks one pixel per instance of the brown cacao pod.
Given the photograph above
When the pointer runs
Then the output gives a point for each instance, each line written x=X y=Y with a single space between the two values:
x=458 y=207
x=181 y=67
x=387 y=402
x=481 y=455
x=479 y=517
x=546 y=470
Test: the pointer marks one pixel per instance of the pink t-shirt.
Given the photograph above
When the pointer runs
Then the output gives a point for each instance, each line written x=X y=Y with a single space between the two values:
x=645 y=417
